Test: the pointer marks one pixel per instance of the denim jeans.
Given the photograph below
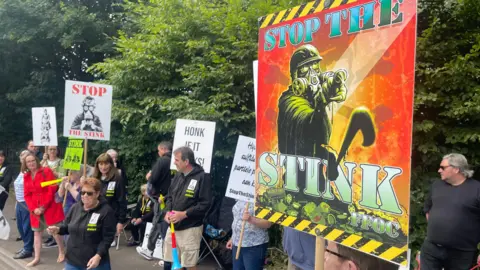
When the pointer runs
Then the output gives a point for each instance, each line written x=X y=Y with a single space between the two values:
x=251 y=258
x=23 y=225
x=104 y=266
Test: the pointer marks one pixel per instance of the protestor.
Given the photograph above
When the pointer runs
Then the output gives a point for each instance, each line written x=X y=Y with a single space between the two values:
x=141 y=215
x=119 y=165
x=158 y=183
x=44 y=211
x=71 y=186
x=6 y=177
x=255 y=238
x=113 y=189
x=453 y=216
x=300 y=248
x=52 y=161
x=91 y=226
x=22 y=214
x=338 y=257
x=187 y=203
x=34 y=149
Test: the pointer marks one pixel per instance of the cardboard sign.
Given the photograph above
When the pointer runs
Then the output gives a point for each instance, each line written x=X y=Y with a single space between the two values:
x=4 y=227
x=44 y=124
x=199 y=136
x=158 y=252
x=241 y=184
x=88 y=108
x=334 y=122
x=73 y=155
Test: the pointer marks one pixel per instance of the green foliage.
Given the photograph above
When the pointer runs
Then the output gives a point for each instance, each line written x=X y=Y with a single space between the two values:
x=42 y=43
x=447 y=97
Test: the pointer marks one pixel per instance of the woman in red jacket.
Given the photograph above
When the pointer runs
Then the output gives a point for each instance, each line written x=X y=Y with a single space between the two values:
x=44 y=211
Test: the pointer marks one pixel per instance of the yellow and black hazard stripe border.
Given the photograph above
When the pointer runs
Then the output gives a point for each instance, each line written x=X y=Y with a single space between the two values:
x=301 y=11
x=382 y=250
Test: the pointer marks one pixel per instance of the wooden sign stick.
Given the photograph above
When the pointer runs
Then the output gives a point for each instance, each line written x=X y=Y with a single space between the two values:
x=66 y=191
x=241 y=235
x=319 y=253
x=85 y=158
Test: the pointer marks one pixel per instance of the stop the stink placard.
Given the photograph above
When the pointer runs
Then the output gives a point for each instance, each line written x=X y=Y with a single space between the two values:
x=88 y=108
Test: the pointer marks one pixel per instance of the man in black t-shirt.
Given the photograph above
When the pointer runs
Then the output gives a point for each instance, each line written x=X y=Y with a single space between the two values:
x=453 y=213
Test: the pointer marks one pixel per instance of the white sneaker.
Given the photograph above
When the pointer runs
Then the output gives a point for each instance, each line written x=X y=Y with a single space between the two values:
x=147 y=254
x=161 y=263
x=114 y=243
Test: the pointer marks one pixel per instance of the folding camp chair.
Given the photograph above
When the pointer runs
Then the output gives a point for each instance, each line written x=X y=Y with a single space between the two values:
x=130 y=208
x=217 y=231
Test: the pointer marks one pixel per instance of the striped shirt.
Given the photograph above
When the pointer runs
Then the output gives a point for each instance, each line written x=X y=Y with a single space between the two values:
x=18 y=185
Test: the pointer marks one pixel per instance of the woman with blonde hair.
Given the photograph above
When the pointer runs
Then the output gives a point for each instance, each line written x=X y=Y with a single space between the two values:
x=113 y=189
x=44 y=211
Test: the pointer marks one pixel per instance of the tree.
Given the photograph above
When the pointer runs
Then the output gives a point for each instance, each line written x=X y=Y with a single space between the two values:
x=43 y=43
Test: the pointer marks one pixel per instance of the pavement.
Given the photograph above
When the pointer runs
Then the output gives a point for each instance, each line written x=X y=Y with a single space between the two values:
x=126 y=258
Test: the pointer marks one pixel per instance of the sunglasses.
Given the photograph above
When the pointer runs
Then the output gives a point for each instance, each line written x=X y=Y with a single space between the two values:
x=444 y=167
x=89 y=193
x=341 y=256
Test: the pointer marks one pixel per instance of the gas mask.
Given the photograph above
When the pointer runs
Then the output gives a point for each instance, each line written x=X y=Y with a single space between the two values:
x=307 y=81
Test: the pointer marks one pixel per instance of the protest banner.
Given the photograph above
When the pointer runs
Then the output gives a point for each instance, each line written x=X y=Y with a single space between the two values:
x=334 y=122
x=73 y=155
x=241 y=184
x=199 y=136
x=88 y=108
x=44 y=124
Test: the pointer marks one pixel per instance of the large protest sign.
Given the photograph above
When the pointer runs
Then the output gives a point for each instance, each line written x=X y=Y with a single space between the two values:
x=199 y=136
x=334 y=122
x=88 y=108
x=73 y=155
x=241 y=184
x=44 y=124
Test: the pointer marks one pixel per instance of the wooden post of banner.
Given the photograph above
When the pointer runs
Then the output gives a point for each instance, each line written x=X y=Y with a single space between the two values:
x=66 y=191
x=241 y=234
x=85 y=145
x=319 y=253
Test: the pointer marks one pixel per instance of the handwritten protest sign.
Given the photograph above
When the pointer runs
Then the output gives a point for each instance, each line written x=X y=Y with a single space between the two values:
x=199 y=136
x=241 y=184
x=73 y=155
x=44 y=124
x=88 y=108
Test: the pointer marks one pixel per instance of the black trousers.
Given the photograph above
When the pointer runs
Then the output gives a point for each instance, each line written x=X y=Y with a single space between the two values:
x=3 y=199
x=138 y=232
x=437 y=257
x=159 y=226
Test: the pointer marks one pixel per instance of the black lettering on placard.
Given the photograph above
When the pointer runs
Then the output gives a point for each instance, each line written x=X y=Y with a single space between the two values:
x=195 y=146
x=194 y=131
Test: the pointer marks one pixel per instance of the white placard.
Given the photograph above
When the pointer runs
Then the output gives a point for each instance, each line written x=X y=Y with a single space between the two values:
x=199 y=136
x=158 y=252
x=44 y=124
x=88 y=109
x=4 y=227
x=241 y=184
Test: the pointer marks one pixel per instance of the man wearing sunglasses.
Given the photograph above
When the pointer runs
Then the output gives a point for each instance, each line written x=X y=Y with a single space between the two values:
x=453 y=215
x=87 y=120
x=339 y=257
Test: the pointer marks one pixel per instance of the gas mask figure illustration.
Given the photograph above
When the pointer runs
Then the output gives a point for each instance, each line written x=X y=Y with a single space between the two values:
x=87 y=120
